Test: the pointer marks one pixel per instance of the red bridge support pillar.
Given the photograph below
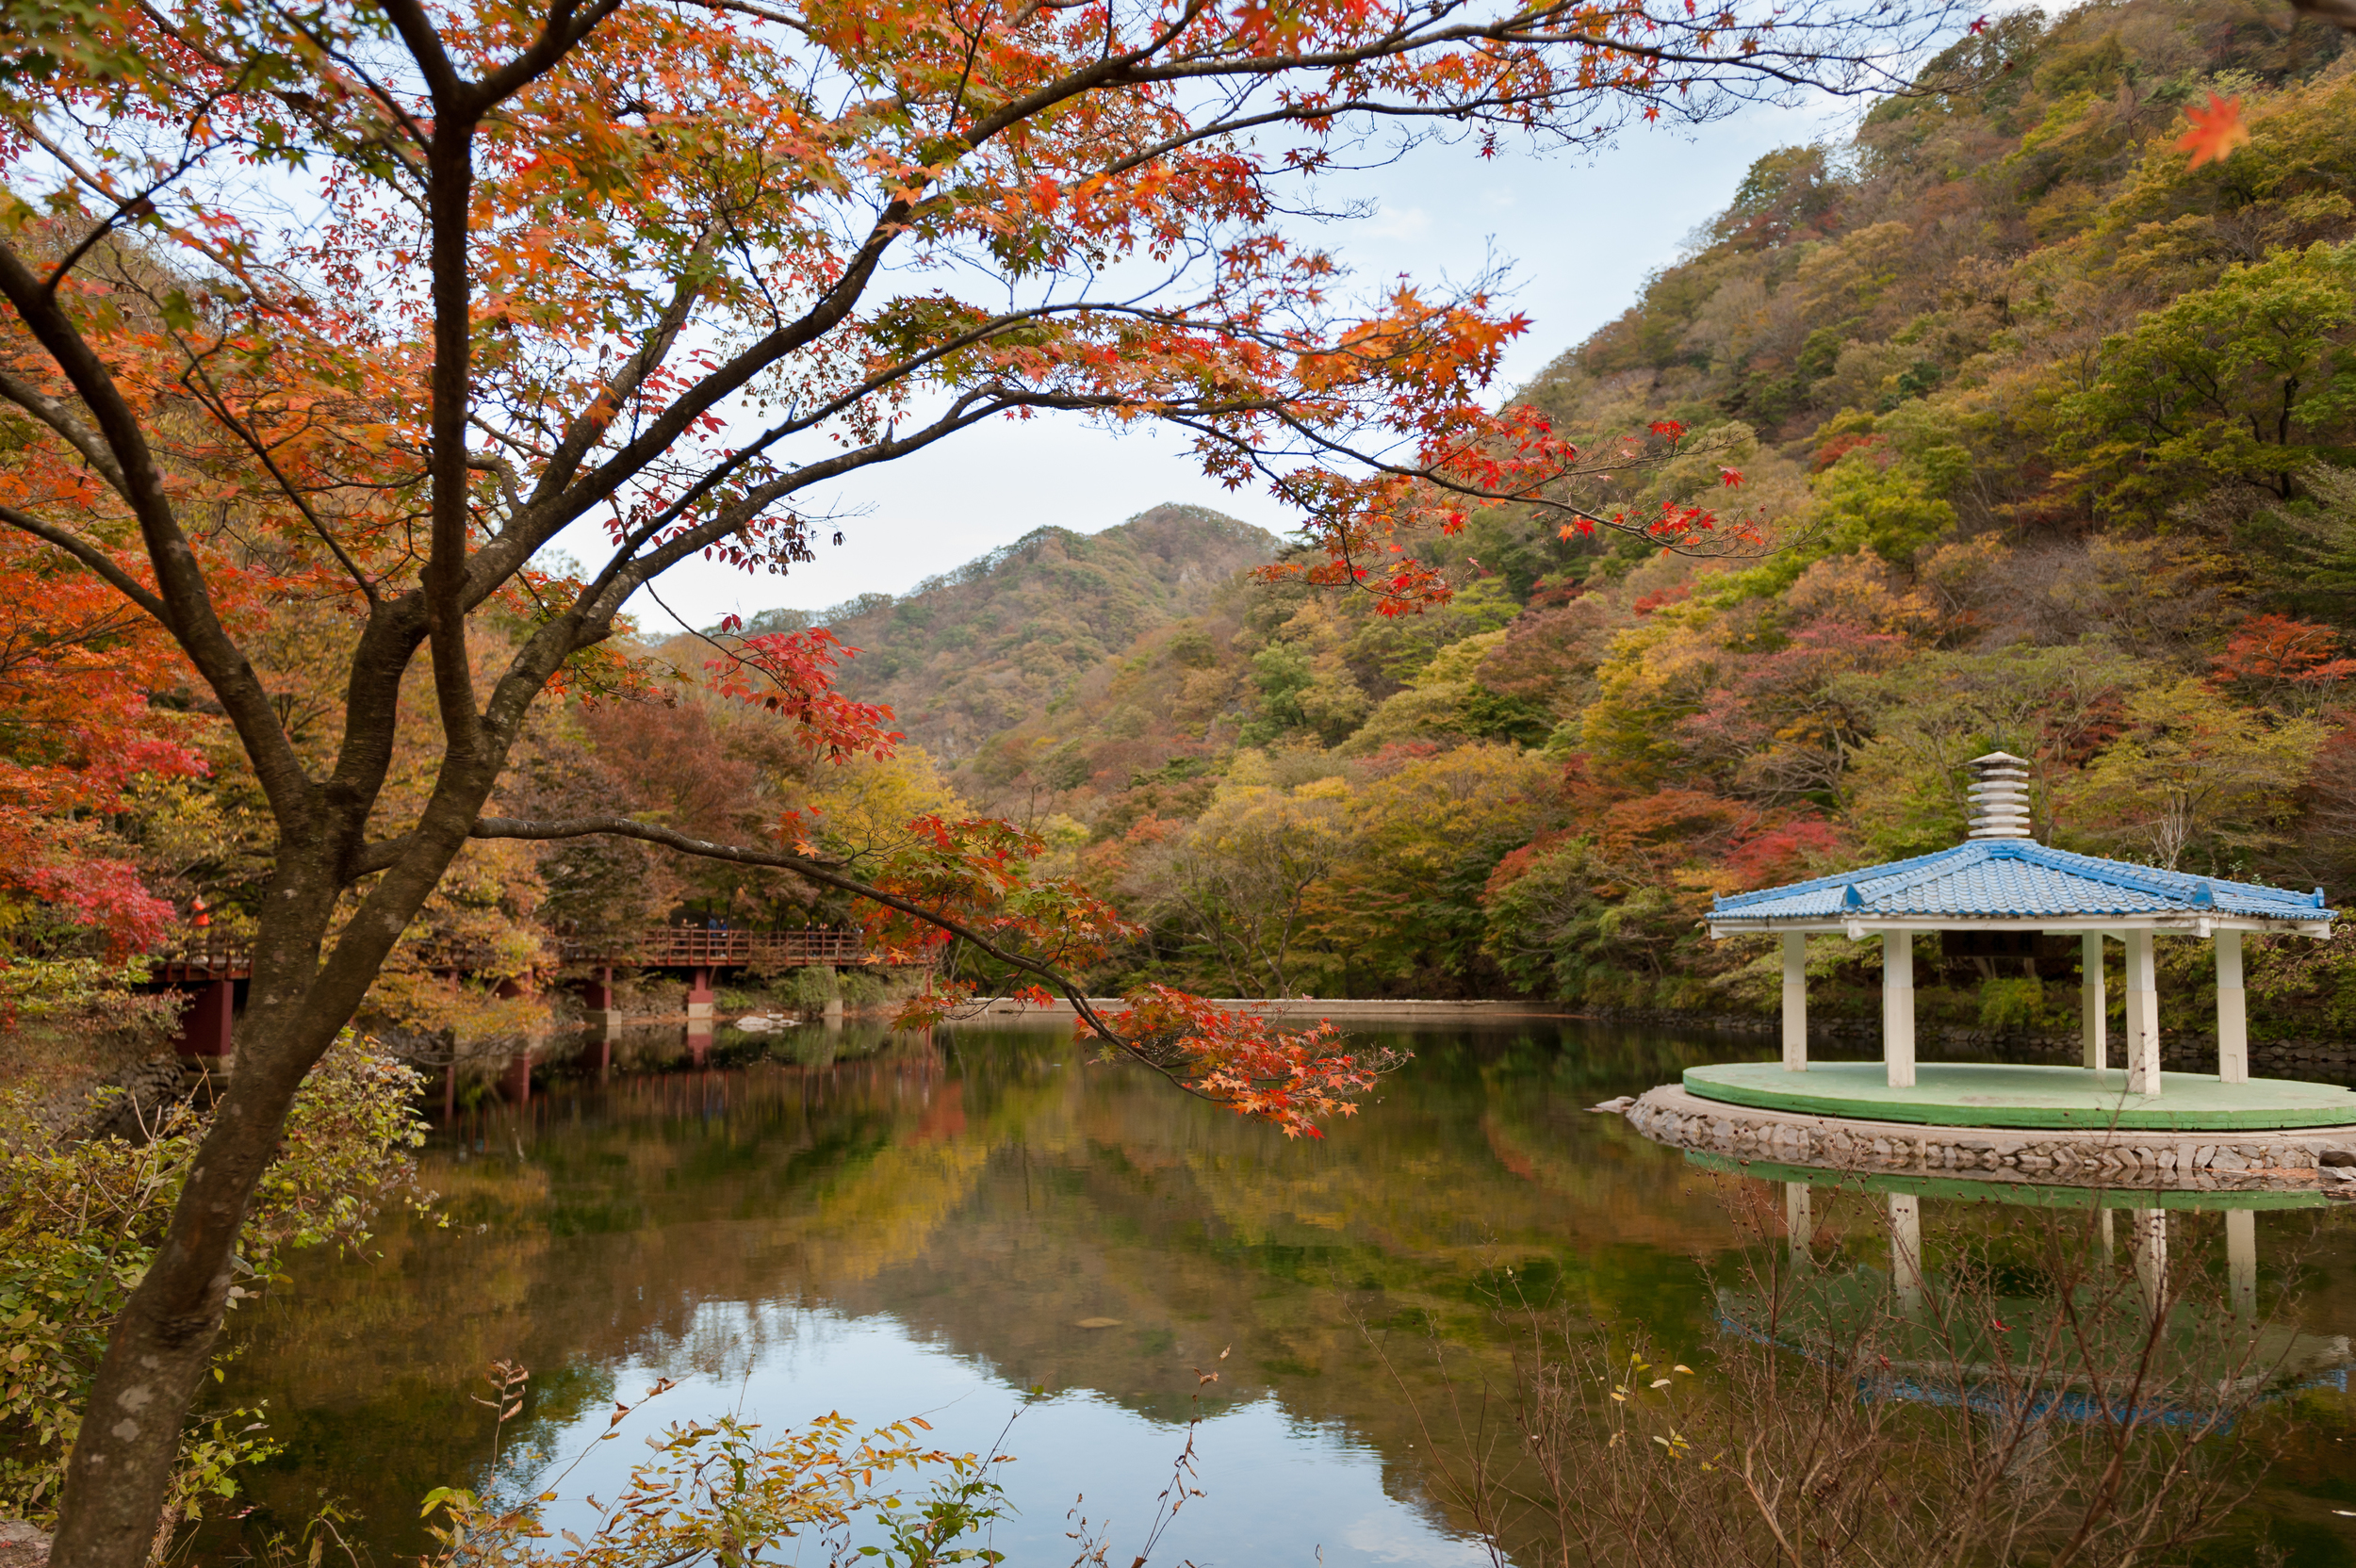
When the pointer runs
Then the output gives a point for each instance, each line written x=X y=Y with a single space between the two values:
x=516 y=1082
x=598 y=1000
x=204 y=1035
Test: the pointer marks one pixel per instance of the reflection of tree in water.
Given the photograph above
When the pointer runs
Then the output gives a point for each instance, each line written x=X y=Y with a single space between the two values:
x=990 y=1193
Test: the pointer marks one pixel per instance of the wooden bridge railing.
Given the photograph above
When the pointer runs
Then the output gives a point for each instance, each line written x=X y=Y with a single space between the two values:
x=204 y=967
x=699 y=947
x=207 y=959
x=660 y=947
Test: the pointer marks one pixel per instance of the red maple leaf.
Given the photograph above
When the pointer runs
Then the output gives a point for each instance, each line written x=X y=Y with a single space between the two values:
x=2216 y=131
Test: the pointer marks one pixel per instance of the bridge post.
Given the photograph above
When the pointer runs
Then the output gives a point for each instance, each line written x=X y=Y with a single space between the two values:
x=516 y=1082
x=699 y=997
x=598 y=995
x=204 y=1032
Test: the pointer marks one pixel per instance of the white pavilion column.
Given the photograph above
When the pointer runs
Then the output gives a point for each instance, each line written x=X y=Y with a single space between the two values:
x=2143 y=1016
x=1906 y=1249
x=2232 y=1017
x=1794 y=1002
x=2241 y=1261
x=1898 y=1007
x=1799 y=1221
x=2094 y=1005
x=2152 y=1256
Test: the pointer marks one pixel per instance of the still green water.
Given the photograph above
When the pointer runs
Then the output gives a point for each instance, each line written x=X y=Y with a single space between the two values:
x=984 y=1226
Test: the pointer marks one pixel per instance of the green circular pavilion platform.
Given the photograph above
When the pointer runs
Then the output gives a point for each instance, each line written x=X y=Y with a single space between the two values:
x=1975 y=1094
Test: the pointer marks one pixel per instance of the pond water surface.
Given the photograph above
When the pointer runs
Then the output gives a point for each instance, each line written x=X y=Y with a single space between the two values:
x=983 y=1227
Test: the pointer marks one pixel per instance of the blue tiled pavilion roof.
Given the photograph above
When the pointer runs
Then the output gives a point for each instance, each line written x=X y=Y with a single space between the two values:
x=2015 y=880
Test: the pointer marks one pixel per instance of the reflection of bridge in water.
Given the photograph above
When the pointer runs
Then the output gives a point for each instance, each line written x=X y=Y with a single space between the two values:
x=210 y=968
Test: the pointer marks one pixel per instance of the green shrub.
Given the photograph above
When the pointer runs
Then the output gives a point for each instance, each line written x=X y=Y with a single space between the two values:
x=79 y=1224
x=864 y=987
x=811 y=989
x=2013 y=1002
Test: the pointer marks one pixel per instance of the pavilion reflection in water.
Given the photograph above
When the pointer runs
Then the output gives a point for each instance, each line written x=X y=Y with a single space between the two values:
x=1979 y=1347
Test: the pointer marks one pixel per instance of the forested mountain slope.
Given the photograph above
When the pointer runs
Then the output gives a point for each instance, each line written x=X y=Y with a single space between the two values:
x=2054 y=433
x=972 y=651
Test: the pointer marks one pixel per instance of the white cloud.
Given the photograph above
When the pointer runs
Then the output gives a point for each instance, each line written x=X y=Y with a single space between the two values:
x=1386 y=223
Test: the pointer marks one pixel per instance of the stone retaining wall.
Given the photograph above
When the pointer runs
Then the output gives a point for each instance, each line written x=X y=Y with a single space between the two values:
x=2197 y=1161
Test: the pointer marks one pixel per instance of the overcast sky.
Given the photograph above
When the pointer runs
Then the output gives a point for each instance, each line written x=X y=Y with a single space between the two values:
x=1579 y=235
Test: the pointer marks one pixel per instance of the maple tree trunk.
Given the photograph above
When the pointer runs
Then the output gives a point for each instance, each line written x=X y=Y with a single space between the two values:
x=121 y=1468
x=118 y=1475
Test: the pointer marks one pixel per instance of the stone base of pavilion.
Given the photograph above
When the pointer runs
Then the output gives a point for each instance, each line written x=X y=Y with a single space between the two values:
x=2068 y=1126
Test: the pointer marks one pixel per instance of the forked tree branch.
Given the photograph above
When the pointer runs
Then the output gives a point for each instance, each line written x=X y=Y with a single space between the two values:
x=58 y=418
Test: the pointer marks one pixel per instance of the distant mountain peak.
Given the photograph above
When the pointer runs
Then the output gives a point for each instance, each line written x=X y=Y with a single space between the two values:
x=973 y=650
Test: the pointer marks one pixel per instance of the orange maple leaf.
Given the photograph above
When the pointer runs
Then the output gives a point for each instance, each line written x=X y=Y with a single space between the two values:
x=2216 y=131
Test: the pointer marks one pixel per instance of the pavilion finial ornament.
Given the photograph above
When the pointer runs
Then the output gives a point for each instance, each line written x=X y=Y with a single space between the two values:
x=2000 y=796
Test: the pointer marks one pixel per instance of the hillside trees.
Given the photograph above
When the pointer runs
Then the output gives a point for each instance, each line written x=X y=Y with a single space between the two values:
x=1238 y=882
x=2249 y=382
x=1000 y=634
x=665 y=271
x=2049 y=421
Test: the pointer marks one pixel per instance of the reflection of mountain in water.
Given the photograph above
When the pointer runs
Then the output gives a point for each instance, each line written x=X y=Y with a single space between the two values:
x=990 y=1193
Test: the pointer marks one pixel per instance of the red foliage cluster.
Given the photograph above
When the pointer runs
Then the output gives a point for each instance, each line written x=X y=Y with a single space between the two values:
x=2273 y=648
x=792 y=675
x=77 y=668
x=1291 y=1079
x=1840 y=447
x=1653 y=835
x=1787 y=851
